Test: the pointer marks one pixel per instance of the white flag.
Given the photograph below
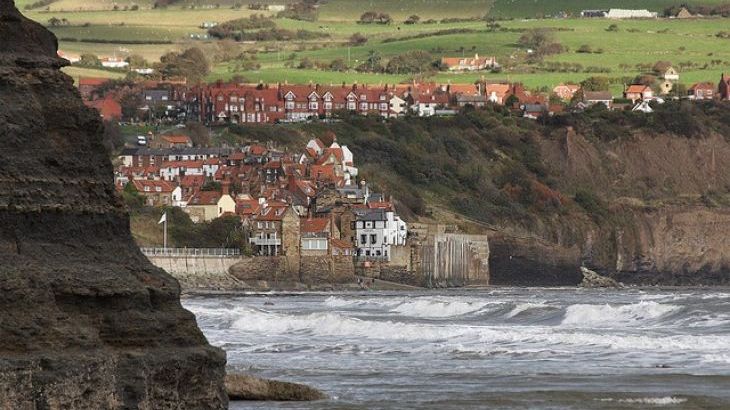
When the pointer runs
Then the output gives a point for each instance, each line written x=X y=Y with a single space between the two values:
x=163 y=219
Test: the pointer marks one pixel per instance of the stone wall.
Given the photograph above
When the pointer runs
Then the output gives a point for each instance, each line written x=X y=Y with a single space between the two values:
x=276 y=272
x=391 y=273
x=199 y=272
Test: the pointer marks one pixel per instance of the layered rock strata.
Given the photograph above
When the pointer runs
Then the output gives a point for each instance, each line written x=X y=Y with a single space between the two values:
x=87 y=321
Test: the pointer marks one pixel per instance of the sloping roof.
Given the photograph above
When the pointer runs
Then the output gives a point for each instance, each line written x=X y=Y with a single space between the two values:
x=176 y=139
x=92 y=81
x=314 y=225
x=702 y=86
x=341 y=244
x=153 y=186
x=205 y=198
x=192 y=180
x=637 y=88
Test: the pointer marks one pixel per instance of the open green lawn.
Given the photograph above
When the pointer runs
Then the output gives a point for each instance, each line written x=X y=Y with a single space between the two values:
x=76 y=72
x=399 y=10
x=171 y=17
x=124 y=33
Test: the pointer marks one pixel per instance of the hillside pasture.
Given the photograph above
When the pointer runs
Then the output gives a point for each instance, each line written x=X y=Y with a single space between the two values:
x=399 y=10
x=539 y=8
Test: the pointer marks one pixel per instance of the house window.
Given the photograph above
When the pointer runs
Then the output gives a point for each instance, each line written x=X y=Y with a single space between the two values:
x=373 y=239
x=313 y=105
x=328 y=106
x=289 y=105
x=363 y=239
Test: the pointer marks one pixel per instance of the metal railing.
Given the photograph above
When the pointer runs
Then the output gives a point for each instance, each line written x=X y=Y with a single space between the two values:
x=211 y=252
x=265 y=241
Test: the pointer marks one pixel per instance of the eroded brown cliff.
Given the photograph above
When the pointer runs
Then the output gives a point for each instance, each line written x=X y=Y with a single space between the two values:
x=86 y=321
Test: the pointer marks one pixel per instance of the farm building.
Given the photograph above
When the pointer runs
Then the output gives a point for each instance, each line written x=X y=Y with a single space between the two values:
x=631 y=14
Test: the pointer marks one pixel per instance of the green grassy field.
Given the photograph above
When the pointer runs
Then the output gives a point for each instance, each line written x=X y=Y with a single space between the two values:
x=538 y=8
x=76 y=72
x=636 y=42
x=399 y=10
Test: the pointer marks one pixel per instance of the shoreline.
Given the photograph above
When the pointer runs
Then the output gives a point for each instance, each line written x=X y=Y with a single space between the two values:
x=434 y=291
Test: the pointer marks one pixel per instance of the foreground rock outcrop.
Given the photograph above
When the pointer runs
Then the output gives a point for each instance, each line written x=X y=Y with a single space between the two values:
x=86 y=321
x=245 y=387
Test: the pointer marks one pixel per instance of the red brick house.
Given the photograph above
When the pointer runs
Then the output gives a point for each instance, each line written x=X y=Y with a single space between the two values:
x=701 y=91
x=638 y=92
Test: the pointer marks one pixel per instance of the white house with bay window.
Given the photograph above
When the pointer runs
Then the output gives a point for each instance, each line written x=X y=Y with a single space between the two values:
x=377 y=231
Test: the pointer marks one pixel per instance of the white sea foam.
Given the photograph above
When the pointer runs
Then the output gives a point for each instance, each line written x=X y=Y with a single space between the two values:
x=328 y=325
x=652 y=401
x=716 y=358
x=431 y=308
x=623 y=315
x=524 y=307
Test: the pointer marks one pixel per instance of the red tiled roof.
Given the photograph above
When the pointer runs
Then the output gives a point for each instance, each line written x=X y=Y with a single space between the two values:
x=637 y=88
x=313 y=225
x=92 y=81
x=257 y=150
x=322 y=172
x=192 y=180
x=330 y=152
x=702 y=86
x=141 y=184
x=176 y=139
x=341 y=244
x=205 y=198
x=468 y=89
x=247 y=206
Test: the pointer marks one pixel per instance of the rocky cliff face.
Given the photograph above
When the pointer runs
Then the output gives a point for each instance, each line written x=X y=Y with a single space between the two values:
x=87 y=321
x=659 y=226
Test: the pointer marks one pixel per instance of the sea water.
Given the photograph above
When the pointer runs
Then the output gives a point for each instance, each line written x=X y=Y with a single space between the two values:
x=496 y=348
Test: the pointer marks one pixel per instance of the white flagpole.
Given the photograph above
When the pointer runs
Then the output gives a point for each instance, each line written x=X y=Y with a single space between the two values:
x=163 y=220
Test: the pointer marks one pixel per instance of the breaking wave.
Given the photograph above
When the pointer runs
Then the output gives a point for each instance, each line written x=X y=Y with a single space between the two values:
x=623 y=315
x=652 y=401
x=332 y=326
